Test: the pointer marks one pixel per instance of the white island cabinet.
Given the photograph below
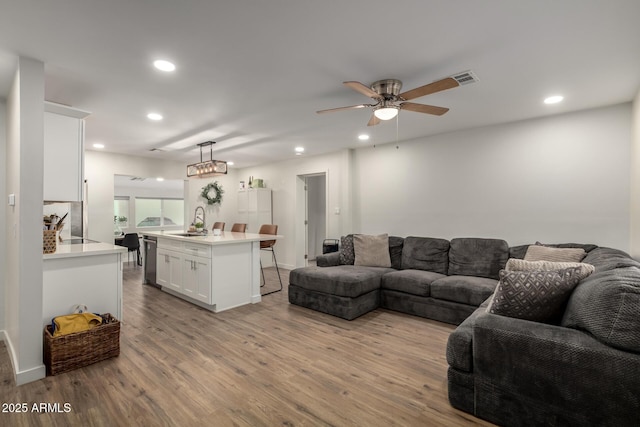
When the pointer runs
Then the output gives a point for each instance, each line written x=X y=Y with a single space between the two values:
x=87 y=274
x=214 y=272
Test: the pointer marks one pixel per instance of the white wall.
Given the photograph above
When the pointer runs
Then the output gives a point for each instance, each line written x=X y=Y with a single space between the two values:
x=3 y=213
x=23 y=222
x=226 y=211
x=281 y=178
x=555 y=179
x=99 y=172
x=635 y=180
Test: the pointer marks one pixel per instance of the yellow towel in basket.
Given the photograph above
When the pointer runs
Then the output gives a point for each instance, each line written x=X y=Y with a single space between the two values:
x=76 y=322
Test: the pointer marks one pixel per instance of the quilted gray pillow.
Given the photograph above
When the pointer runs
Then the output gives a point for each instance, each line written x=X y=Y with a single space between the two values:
x=534 y=295
x=347 y=254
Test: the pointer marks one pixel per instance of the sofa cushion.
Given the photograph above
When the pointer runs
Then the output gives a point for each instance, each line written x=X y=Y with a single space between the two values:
x=415 y=282
x=347 y=254
x=606 y=305
x=544 y=253
x=372 y=251
x=343 y=280
x=535 y=294
x=604 y=259
x=522 y=265
x=477 y=257
x=463 y=289
x=425 y=253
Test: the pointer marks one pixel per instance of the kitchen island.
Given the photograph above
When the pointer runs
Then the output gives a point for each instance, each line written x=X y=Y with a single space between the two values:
x=214 y=272
x=86 y=273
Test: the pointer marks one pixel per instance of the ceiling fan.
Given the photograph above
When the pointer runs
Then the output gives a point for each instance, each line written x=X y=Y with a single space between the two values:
x=390 y=101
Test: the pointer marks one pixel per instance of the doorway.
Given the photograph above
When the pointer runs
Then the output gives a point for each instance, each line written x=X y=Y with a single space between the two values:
x=312 y=215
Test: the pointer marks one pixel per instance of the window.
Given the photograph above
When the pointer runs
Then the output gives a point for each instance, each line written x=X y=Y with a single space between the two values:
x=159 y=212
x=121 y=211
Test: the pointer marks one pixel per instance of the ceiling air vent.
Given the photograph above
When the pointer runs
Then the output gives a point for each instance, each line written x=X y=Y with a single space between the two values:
x=465 y=78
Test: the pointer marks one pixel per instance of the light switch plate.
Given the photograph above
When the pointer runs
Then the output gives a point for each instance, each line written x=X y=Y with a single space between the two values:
x=12 y=199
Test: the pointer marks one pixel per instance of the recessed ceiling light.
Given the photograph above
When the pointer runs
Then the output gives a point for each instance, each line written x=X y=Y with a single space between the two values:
x=229 y=163
x=554 y=99
x=164 y=65
x=97 y=145
x=154 y=116
x=363 y=137
x=299 y=149
x=160 y=179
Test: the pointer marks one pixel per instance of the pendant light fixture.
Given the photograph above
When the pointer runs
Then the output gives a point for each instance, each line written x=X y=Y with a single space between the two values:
x=207 y=167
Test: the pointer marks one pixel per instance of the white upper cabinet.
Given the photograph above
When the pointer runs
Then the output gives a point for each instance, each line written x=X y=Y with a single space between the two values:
x=63 y=152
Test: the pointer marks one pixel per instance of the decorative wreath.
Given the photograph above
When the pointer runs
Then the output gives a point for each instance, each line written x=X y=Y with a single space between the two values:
x=206 y=193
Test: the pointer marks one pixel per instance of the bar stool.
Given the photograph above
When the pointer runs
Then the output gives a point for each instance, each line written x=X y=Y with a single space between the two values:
x=218 y=226
x=267 y=245
x=239 y=228
x=132 y=243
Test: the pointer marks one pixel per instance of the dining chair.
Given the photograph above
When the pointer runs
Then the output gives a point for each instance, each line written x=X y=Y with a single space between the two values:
x=267 y=245
x=239 y=227
x=218 y=226
x=132 y=242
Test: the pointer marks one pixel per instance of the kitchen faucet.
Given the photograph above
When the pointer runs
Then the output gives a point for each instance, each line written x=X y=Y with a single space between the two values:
x=196 y=217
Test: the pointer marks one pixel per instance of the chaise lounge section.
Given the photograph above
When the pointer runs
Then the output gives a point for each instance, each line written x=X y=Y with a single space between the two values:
x=429 y=277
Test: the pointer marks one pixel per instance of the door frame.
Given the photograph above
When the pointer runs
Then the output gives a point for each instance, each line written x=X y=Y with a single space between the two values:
x=301 y=228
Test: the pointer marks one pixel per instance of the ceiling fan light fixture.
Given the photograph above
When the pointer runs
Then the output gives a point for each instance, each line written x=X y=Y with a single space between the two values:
x=386 y=113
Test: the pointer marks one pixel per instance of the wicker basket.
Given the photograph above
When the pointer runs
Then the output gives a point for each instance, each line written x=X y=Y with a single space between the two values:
x=67 y=352
x=48 y=241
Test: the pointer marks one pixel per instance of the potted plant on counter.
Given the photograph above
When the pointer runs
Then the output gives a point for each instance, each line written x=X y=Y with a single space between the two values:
x=199 y=227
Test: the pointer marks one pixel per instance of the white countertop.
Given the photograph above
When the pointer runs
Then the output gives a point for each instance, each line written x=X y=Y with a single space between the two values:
x=227 y=237
x=84 y=249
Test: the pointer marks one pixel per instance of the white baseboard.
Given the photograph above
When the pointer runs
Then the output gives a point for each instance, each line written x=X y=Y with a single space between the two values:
x=22 y=377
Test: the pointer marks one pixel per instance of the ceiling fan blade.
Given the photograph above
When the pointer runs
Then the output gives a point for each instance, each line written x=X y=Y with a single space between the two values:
x=422 y=108
x=434 y=87
x=365 y=90
x=353 y=107
x=373 y=120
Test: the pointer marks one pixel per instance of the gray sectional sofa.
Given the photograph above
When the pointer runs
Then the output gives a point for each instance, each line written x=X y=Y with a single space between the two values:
x=429 y=277
x=583 y=369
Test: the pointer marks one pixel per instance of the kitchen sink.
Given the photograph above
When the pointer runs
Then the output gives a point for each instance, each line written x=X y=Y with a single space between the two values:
x=195 y=234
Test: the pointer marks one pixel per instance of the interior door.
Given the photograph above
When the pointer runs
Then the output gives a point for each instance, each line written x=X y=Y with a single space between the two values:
x=315 y=214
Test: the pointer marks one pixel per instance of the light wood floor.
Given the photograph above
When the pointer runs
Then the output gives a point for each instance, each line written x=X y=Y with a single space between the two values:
x=266 y=364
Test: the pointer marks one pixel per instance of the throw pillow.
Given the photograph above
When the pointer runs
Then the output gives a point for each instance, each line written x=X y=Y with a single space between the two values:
x=521 y=265
x=372 y=251
x=544 y=253
x=347 y=255
x=534 y=295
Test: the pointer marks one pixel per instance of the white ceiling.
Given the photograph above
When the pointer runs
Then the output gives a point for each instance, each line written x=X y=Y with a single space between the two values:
x=251 y=74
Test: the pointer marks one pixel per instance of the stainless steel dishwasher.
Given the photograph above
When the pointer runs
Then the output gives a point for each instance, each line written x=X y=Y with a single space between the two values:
x=150 y=247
